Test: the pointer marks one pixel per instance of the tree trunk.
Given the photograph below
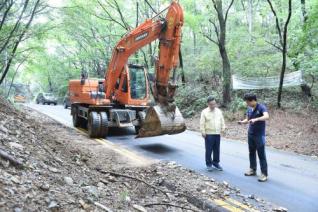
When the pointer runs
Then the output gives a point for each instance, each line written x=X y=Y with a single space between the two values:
x=284 y=54
x=50 y=84
x=303 y=10
x=250 y=18
x=183 y=78
x=14 y=75
x=225 y=60
x=226 y=77
x=194 y=42
x=281 y=81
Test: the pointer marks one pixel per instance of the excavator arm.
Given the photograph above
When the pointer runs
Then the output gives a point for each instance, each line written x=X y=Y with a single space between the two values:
x=128 y=45
x=167 y=30
x=164 y=118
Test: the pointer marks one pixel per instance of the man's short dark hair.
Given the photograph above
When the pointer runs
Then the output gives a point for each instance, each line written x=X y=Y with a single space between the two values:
x=210 y=99
x=250 y=97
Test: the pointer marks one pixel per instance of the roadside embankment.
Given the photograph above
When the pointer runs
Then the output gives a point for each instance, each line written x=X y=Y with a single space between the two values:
x=47 y=166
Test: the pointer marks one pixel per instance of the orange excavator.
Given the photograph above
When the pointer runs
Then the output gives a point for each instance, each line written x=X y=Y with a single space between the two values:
x=122 y=99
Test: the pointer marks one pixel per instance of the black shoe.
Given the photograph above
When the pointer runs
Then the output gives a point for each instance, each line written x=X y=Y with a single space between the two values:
x=218 y=167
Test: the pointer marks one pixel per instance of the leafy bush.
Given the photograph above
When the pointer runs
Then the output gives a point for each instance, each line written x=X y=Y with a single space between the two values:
x=237 y=105
x=191 y=99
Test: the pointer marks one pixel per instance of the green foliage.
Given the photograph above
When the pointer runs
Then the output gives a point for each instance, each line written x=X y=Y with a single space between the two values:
x=237 y=105
x=123 y=195
x=192 y=98
x=305 y=49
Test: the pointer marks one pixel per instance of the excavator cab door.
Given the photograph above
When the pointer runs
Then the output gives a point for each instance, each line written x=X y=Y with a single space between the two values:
x=138 y=82
x=131 y=87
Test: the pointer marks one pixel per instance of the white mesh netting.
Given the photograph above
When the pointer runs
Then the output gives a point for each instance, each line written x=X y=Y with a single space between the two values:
x=290 y=79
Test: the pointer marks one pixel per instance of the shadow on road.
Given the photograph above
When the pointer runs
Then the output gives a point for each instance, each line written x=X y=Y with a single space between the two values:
x=157 y=148
x=113 y=131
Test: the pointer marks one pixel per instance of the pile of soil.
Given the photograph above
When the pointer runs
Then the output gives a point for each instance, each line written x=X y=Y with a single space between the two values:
x=46 y=166
x=287 y=129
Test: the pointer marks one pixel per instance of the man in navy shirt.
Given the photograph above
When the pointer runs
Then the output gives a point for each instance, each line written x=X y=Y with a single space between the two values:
x=256 y=116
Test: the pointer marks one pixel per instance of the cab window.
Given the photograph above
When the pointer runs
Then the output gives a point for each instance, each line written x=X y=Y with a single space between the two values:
x=138 y=87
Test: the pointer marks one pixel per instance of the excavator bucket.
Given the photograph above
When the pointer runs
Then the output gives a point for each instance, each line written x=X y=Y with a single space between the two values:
x=159 y=121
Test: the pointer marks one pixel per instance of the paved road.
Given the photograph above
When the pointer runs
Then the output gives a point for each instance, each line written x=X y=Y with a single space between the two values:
x=293 y=181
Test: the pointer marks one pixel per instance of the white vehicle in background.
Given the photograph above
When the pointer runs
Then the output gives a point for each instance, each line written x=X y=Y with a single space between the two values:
x=46 y=98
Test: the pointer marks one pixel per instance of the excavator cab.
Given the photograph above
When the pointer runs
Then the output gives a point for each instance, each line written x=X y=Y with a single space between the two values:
x=132 y=87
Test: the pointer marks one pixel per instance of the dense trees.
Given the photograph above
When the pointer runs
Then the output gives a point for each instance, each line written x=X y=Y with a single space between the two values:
x=16 y=19
x=220 y=37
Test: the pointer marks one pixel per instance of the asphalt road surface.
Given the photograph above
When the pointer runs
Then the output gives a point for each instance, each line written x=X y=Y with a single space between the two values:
x=293 y=178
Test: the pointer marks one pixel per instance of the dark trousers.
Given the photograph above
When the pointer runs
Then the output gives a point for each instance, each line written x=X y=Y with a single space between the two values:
x=256 y=143
x=212 y=144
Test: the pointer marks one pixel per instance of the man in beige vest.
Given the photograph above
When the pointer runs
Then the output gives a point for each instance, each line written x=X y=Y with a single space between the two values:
x=211 y=126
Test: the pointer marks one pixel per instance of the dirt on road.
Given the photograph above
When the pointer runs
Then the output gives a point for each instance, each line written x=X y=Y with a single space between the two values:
x=287 y=129
x=45 y=166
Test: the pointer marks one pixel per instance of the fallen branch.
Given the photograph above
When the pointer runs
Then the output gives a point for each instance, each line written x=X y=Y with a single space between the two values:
x=169 y=204
x=201 y=203
x=134 y=178
x=11 y=159
x=102 y=207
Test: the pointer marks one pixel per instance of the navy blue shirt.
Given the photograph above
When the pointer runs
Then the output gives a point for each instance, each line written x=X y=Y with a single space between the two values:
x=256 y=128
